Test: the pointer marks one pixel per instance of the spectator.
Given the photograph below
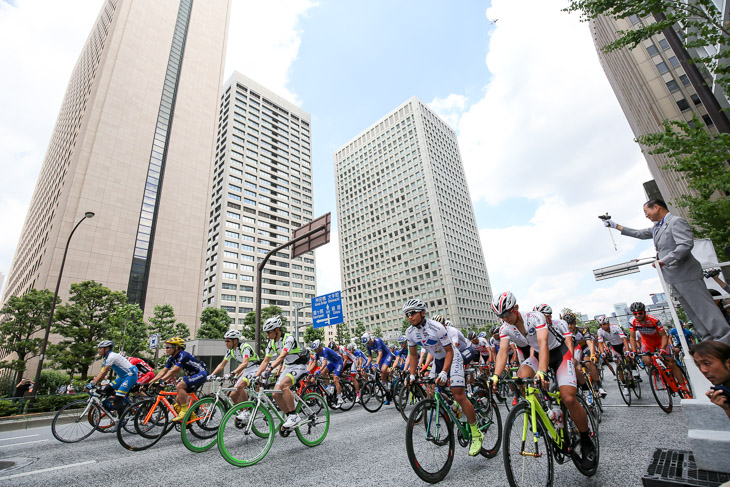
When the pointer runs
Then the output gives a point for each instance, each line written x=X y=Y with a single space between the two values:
x=713 y=360
x=70 y=389
x=23 y=387
x=62 y=389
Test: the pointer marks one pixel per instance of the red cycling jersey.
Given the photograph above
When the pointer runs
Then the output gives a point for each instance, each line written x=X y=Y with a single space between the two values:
x=144 y=371
x=649 y=330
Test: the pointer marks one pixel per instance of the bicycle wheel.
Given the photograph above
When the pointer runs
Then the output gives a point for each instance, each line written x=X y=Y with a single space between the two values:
x=662 y=393
x=430 y=441
x=528 y=460
x=75 y=421
x=313 y=408
x=242 y=442
x=592 y=399
x=143 y=424
x=409 y=397
x=348 y=395
x=201 y=424
x=103 y=420
x=372 y=396
x=573 y=437
x=489 y=421
x=636 y=389
x=505 y=394
x=624 y=388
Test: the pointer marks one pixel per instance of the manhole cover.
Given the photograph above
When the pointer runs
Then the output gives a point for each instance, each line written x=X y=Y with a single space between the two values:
x=15 y=463
x=4 y=465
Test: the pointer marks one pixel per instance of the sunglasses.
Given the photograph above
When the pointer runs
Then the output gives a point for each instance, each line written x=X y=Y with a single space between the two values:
x=505 y=314
x=638 y=313
x=411 y=313
x=169 y=346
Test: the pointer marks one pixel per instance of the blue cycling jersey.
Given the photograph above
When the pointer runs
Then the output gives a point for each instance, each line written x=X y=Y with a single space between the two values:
x=187 y=362
x=379 y=345
x=329 y=355
x=675 y=336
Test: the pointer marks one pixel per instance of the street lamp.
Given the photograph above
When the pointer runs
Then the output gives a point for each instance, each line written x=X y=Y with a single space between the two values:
x=36 y=384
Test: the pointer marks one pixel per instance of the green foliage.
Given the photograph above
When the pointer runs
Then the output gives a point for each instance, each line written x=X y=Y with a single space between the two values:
x=359 y=329
x=54 y=402
x=378 y=332
x=311 y=334
x=9 y=408
x=404 y=326
x=343 y=333
x=702 y=158
x=249 y=323
x=165 y=324
x=128 y=330
x=23 y=317
x=84 y=321
x=699 y=19
x=51 y=380
x=214 y=323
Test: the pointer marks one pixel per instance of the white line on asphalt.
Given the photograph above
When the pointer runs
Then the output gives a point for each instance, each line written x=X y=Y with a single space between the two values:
x=635 y=406
x=46 y=470
x=17 y=437
x=22 y=443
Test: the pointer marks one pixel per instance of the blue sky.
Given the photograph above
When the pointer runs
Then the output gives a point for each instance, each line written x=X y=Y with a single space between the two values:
x=545 y=145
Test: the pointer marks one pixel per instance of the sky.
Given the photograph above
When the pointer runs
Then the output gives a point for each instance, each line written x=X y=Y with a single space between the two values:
x=545 y=145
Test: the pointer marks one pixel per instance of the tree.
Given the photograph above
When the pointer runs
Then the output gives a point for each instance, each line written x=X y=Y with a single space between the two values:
x=165 y=324
x=311 y=334
x=84 y=321
x=24 y=316
x=249 y=322
x=359 y=329
x=378 y=332
x=214 y=323
x=343 y=333
x=702 y=158
x=405 y=326
x=129 y=330
x=700 y=20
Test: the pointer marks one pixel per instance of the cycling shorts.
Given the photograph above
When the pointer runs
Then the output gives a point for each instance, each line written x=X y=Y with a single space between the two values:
x=485 y=358
x=294 y=372
x=456 y=374
x=192 y=382
x=578 y=353
x=146 y=378
x=387 y=360
x=245 y=377
x=335 y=368
x=123 y=384
x=618 y=349
x=560 y=362
x=468 y=355
x=645 y=348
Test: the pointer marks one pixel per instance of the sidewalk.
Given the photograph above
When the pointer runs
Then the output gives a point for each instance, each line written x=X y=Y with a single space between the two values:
x=25 y=421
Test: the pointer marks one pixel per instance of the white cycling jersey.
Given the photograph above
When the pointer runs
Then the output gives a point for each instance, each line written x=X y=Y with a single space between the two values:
x=614 y=335
x=432 y=336
x=120 y=365
x=533 y=321
x=482 y=347
x=458 y=338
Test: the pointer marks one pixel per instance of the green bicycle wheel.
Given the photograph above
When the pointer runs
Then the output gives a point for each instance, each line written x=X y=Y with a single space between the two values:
x=314 y=409
x=238 y=443
x=201 y=424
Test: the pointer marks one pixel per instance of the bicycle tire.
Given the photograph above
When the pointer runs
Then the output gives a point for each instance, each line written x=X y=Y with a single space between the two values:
x=489 y=421
x=637 y=388
x=201 y=432
x=624 y=389
x=141 y=428
x=234 y=438
x=515 y=463
x=372 y=396
x=594 y=407
x=659 y=389
x=73 y=422
x=409 y=397
x=422 y=422
x=348 y=395
x=574 y=439
x=315 y=430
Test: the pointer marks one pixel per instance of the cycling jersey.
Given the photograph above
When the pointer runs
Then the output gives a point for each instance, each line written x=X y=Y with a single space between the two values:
x=533 y=321
x=461 y=343
x=346 y=355
x=614 y=335
x=186 y=362
x=561 y=326
x=243 y=351
x=120 y=365
x=674 y=336
x=329 y=355
x=360 y=355
x=287 y=344
x=482 y=346
x=432 y=336
x=379 y=345
x=649 y=330
x=144 y=372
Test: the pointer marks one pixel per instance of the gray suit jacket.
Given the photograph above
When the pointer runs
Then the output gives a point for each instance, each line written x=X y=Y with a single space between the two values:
x=673 y=242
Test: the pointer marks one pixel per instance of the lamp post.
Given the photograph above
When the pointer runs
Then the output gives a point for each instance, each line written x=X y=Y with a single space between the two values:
x=36 y=384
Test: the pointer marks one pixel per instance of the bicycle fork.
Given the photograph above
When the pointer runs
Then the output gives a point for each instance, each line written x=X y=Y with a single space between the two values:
x=531 y=423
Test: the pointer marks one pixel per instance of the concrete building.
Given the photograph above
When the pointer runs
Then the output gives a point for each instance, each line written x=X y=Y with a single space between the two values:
x=651 y=86
x=406 y=224
x=261 y=192
x=134 y=143
x=622 y=313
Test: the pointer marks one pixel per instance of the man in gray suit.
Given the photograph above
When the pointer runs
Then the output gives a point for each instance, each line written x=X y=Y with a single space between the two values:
x=673 y=241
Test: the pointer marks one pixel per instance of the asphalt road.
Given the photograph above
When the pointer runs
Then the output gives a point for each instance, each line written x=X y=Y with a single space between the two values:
x=360 y=448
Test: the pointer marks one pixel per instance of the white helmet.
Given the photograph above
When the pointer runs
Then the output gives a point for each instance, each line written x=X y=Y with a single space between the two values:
x=544 y=309
x=365 y=338
x=448 y=323
x=233 y=334
x=414 y=305
x=316 y=344
x=602 y=320
x=504 y=302
x=271 y=324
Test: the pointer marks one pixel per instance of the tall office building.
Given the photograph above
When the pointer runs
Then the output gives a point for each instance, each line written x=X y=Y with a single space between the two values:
x=133 y=143
x=622 y=313
x=406 y=224
x=651 y=86
x=261 y=192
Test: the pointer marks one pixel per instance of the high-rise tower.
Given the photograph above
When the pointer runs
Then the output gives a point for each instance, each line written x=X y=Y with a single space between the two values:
x=406 y=224
x=134 y=143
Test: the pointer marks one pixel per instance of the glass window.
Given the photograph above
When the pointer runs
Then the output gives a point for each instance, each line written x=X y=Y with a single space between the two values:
x=672 y=85
x=683 y=104
x=652 y=50
x=662 y=67
x=684 y=79
x=664 y=44
x=674 y=61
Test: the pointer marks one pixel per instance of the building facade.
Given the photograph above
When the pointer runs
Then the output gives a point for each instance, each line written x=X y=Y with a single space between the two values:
x=406 y=224
x=651 y=86
x=261 y=192
x=133 y=143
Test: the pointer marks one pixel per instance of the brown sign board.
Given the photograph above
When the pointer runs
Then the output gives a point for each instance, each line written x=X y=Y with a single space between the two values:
x=317 y=239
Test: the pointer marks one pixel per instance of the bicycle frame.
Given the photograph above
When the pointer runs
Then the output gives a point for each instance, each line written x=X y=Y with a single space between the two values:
x=441 y=403
x=262 y=397
x=557 y=435
x=665 y=374
x=161 y=398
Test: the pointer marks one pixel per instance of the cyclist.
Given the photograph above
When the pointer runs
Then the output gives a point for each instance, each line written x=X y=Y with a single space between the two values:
x=401 y=354
x=530 y=329
x=248 y=363
x=653 y=340
x=287 y=352
x=674 y=338
x=481 y=345
x=332 y=364
x=145 y=372
x=126 y=375
x=385 y=359
x=351 y=363
x=584 y=347
x=448 y=364
x=195 y=372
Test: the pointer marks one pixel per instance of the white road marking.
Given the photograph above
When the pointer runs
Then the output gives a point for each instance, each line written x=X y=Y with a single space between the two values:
x=22 y=443
x=17 y=437
x=46 y=470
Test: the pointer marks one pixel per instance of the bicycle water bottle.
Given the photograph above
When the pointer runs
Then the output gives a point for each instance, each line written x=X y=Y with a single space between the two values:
x=556 y=416
x=456 y=408
x=330 y=389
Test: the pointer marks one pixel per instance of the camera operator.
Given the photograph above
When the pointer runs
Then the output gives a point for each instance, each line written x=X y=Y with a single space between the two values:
x=713 y=360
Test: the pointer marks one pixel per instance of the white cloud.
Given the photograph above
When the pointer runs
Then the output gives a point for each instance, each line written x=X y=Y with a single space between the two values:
x=449 y=108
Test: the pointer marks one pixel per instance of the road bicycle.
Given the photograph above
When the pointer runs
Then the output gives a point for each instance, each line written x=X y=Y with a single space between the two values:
x=245 y=442
x=372 y=392
x=628 y=378
x=77 y=420
x=317 y=384
x=591 y=395
x=200 y=434
x=662 y=383
x=532 y=440
x=430 y=431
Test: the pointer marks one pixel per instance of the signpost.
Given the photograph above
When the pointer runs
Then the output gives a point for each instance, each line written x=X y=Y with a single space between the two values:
x=153 y=341
x=327 y=310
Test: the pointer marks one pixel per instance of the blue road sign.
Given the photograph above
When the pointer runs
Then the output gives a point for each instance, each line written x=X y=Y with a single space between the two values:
x=327 y=309
x=153 y=340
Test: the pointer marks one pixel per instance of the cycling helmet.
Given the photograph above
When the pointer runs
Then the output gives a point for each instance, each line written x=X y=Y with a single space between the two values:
x=471 y=335
x=365 y=338
x=351 y=347
x=332 y=345
x=637 y=306
x=504 y=302
x=177 y=341
x=315 y=345
x=402 y=339
x=272 y=323
x=495 y=329
x=439 y=318
x=105 y=343
x=569 y=318
x=414 y=305
x=602 y=320
x=482 y=334
x=544 y=309
x=233 y=334
x=448 y=323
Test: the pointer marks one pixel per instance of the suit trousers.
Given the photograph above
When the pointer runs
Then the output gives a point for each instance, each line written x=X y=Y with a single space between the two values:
x=702 y=310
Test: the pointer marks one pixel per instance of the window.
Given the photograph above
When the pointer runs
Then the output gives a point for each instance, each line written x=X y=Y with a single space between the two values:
x=652 y=50
x=228 y=297
x=230 y=265
x=664 y=44
x=683 y=104
x=672 y=85
x=674 y=61
x=695 y=98
x=684 y=79
x=229 y=275
x=662 y=67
